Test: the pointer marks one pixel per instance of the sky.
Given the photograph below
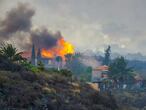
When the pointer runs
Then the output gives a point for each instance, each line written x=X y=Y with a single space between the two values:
x=87 y=24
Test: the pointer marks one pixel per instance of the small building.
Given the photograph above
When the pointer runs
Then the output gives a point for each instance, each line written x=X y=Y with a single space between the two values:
x=48 y=62
x=99 y=73
x=138 y=81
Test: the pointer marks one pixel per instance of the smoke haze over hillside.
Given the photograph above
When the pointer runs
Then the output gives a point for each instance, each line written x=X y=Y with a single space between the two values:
x=17 y=25
x=119 y=23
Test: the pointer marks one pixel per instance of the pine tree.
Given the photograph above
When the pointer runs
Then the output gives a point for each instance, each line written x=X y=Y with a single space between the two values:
x=33 y=55
x=107 y=56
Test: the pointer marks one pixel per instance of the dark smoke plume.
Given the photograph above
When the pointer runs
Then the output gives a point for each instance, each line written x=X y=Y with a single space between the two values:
x=17 y=19
x=41 y=38
x=17 y=25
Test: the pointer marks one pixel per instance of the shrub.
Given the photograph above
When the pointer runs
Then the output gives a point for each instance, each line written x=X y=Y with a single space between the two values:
x=65 y=72
x=28 y=76
x=30 y=67
x=41 y=66
x=7 y=65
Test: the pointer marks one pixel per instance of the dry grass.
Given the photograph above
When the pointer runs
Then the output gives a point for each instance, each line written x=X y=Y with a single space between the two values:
x=51 y=90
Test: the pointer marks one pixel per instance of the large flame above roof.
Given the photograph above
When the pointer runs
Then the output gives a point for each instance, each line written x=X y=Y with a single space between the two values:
x=61 y=49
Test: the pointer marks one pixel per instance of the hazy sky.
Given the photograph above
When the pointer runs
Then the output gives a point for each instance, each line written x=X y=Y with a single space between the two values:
x=91 y=24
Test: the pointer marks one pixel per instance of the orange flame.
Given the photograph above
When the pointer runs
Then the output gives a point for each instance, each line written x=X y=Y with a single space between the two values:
x=61 y=49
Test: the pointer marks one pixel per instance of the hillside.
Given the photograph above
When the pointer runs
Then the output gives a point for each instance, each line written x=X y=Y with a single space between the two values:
x=130 y=100
x=49 y=90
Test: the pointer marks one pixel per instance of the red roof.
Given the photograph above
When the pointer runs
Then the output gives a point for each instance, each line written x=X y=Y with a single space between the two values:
x=101 y=68
x=26 y=54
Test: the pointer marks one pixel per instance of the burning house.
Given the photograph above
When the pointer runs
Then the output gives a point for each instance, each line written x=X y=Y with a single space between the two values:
x=37 y=57
x=48 y=56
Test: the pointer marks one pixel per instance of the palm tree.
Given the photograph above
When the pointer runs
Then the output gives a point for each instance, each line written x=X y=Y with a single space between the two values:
x=10 y=53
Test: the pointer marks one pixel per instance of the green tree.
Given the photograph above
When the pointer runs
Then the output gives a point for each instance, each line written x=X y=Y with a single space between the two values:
x=107 y=54
x=10 y=53
x=59 y=61
x=89 y=73
x=76 y=66
x=118 y=70
x=89 y=69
